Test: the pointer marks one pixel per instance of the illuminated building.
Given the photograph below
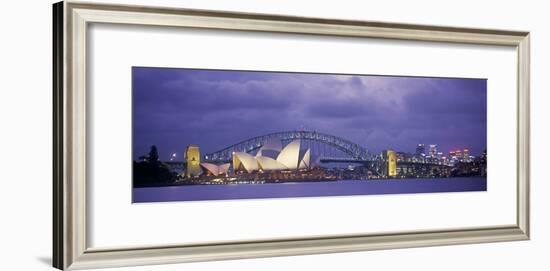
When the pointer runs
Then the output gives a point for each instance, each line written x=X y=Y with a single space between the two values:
x=271 y=157
x=439 y=157
x=459 y=156
x=305 y=157
x=193 y=159
x=452 y=155
x=432 y=150
x=244 y=161
x=420 y=150
x=290 y=155
x=213 y=169
x=466 y=155
x=390 y=165
x=267 y=163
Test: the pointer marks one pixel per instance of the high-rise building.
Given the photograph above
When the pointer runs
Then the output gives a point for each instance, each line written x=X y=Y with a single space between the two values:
x=193 y=159
x=390 y=165
x=432 y=151
x=452 y=155
x=420 y=150
x=444 y=160
x=459 y=156
x=466 y=154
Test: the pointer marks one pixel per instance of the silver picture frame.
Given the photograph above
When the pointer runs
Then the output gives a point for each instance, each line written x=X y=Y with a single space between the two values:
x=70 y=241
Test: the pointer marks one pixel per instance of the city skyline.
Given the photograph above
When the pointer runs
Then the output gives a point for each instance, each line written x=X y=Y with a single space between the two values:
x=177 y=107
x=172 y=156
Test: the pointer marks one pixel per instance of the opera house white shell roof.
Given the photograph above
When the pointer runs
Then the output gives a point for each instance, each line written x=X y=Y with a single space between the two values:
x=267 y=163
x=215 y=170
x=271 y=157
x=243 y=160
x=305 y=159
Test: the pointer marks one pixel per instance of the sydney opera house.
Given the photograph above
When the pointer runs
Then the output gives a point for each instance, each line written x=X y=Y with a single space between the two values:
x=270 y=157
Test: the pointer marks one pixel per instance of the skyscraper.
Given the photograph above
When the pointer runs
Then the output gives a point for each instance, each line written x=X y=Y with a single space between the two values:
x=458 y=154
x=193 y=159
x=452 y=155
x=466 y=154
x=433 y=150
x=420 y=150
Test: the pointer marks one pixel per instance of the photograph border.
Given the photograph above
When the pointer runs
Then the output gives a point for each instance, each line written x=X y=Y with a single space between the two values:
x=70 y=244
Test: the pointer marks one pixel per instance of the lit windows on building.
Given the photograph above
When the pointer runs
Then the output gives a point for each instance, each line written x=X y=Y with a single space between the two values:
x=432 y=150
x=420 y=150
x=466 y=155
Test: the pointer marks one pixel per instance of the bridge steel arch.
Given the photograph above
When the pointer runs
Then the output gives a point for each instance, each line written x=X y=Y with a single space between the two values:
x=354 y=150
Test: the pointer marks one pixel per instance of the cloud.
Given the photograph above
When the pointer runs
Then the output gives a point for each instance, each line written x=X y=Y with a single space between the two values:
x=176 y=107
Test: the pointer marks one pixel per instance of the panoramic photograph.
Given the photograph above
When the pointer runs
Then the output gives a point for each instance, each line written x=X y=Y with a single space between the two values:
x=200 y=134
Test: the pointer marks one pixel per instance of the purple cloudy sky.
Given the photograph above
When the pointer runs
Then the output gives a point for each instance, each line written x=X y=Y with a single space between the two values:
x=214 y=109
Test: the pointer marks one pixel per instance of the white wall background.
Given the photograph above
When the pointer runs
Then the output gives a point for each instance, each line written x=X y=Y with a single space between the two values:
x=25 y=137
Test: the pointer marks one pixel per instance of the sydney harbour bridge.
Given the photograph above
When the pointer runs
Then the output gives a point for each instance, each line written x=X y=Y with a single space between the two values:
x=325 y=148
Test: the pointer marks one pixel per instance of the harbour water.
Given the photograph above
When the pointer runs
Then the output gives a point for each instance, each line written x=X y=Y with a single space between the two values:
x=303 y=189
